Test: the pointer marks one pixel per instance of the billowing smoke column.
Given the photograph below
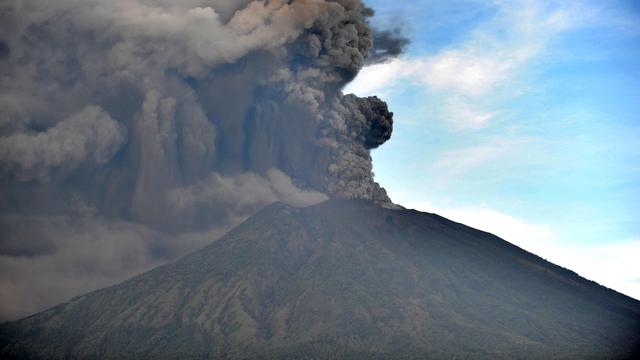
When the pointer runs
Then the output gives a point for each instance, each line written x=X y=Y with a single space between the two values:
x=133 y=131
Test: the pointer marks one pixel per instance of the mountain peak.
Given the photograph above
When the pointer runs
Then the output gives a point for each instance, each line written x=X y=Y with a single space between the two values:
x=341 y=279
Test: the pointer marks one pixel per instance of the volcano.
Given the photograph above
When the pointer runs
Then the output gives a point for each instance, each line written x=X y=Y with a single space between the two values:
x=345 y=279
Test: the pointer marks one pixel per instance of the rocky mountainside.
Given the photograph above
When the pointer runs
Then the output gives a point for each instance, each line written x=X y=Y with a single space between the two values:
x=341 y=280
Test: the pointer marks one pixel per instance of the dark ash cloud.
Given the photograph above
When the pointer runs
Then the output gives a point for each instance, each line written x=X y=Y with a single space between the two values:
x=132 y=132
x=4 y=50
x=387 y=44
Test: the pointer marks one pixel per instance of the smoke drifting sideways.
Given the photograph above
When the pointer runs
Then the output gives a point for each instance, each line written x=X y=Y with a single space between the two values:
x=132 y=132
x=388 y=44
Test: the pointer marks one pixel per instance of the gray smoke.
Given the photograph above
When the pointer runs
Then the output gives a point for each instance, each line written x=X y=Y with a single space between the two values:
x=387 y=44
x=90 y=136
x=132 y=132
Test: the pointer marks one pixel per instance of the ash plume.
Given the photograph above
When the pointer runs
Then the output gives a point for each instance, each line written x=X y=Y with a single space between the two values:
x=166 y=123
x=387 y=44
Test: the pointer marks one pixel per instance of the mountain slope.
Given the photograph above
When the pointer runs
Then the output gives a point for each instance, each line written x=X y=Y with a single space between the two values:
x=343 y=279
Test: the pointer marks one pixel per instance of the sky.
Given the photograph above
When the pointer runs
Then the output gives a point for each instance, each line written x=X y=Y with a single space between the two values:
x=520 y=118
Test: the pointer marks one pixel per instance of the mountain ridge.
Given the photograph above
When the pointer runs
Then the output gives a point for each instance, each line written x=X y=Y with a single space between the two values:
x=342 y=279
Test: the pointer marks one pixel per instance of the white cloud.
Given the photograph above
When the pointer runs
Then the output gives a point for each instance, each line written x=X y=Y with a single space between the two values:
x=470 y=71
x=494 y=55
x=463 y=113
x=613 y=265
x=379 y=78
x=457 y=163
x=476 y=69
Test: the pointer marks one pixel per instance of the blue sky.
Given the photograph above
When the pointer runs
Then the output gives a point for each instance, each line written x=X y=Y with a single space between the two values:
x=521 y=118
